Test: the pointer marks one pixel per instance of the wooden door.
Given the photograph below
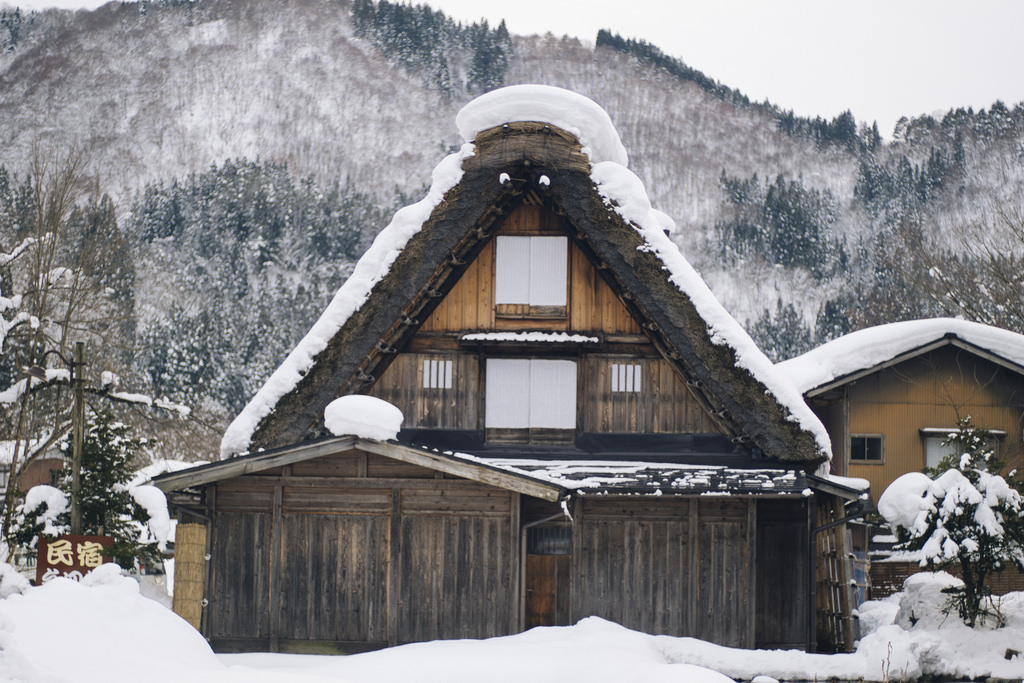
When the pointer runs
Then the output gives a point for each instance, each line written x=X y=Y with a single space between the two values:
x=547 y=590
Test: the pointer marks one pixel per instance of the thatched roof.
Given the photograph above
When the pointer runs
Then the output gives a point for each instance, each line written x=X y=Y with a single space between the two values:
x=546 y=164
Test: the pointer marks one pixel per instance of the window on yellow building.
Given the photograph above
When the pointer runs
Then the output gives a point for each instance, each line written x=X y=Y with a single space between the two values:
x=935 y=449
x=867 y=448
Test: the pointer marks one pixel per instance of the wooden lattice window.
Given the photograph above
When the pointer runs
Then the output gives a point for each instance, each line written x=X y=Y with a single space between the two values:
x=437 y=374
x=626 y=378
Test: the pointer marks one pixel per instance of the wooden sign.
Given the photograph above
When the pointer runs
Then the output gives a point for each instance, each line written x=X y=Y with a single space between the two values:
x=71 y=556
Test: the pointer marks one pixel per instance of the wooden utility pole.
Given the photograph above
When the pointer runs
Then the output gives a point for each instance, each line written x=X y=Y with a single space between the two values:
x=78 y=434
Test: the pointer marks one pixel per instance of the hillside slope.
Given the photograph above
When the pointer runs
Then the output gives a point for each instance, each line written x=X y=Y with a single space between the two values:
x=253 y=149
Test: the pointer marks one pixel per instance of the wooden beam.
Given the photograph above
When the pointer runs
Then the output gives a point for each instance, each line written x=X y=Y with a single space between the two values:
x=516 y=560
x=693 y=575
x=275 y=571
x=247 y=464
x=468 y=470
x=751 y=633
x=251 y=464
x=394 y=566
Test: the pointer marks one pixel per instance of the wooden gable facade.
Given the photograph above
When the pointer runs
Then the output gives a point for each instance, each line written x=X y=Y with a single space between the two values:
x=575 y=443
x=593 y=330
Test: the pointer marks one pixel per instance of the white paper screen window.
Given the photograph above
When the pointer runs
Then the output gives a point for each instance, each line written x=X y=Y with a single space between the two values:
x=530 y=392
x=437 y=374
x=626 y=377
x=530 y=270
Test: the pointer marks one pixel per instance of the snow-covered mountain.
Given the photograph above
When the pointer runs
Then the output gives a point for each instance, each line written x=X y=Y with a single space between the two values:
x=803 y=228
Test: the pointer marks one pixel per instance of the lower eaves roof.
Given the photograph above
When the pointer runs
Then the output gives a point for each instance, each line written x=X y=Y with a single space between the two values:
x=658 y=479
x=546 y=479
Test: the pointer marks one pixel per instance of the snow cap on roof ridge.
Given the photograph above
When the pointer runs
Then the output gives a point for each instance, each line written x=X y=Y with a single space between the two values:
x=570 y=111
x=872 y=346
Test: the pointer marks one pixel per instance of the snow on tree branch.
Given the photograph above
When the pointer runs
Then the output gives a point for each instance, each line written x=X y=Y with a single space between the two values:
x=967 y=515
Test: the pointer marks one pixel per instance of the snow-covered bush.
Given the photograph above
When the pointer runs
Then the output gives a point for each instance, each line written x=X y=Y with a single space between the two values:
x=922 y=603
x=967 y=515
x=11 y=582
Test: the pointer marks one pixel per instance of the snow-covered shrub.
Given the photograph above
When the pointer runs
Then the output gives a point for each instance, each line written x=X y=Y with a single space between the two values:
x=922 y=601
x=44 y=512
x=966 y=515
x=11 y=582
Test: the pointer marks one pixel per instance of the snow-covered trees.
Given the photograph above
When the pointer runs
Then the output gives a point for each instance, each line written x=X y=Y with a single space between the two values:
x=981 y=279
x=473 y=58
x=109 y=506
x=784 y=222
x=236 y=262
x=66 y=276
x=966 y=516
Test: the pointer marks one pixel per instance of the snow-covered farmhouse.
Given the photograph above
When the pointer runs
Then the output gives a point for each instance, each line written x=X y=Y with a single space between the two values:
x=583 y=430
x=890 y=395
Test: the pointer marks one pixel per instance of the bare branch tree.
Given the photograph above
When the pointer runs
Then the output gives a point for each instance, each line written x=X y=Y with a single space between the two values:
x=60 y=284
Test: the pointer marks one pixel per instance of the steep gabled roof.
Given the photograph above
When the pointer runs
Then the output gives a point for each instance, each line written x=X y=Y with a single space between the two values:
x=866 y=351
x=424 y=251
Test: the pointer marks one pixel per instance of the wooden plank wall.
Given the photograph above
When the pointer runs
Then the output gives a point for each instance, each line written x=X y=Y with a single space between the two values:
x=356 y=551
x=592 y=305
x=455 y=408
x=240 y=575
x=679 y=567
x=932 y=391
x=726 y=601
x=888 y=577
x=665 y=404
x=334 y=569
x=456 y=546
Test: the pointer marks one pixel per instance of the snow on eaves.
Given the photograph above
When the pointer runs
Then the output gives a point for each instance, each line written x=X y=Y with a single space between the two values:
x=531 y=336
x=870 y=347
x=370 y=269
x=596 y=477
x=625 y=192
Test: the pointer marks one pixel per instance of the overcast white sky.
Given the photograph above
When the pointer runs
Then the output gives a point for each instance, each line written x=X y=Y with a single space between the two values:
x=879 y=58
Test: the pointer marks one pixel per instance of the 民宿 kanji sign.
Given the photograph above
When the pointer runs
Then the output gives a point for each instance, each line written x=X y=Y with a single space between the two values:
x=71 y=556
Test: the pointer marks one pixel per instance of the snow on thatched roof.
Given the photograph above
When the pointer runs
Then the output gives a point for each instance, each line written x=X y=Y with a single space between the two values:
x=572 y=112
x=872 y=347
x=580 y=171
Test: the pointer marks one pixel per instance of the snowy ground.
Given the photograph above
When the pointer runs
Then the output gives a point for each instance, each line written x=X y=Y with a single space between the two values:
x=104 y=629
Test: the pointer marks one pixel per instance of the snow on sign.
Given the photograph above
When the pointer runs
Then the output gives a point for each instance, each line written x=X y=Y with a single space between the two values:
x=71 y=556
